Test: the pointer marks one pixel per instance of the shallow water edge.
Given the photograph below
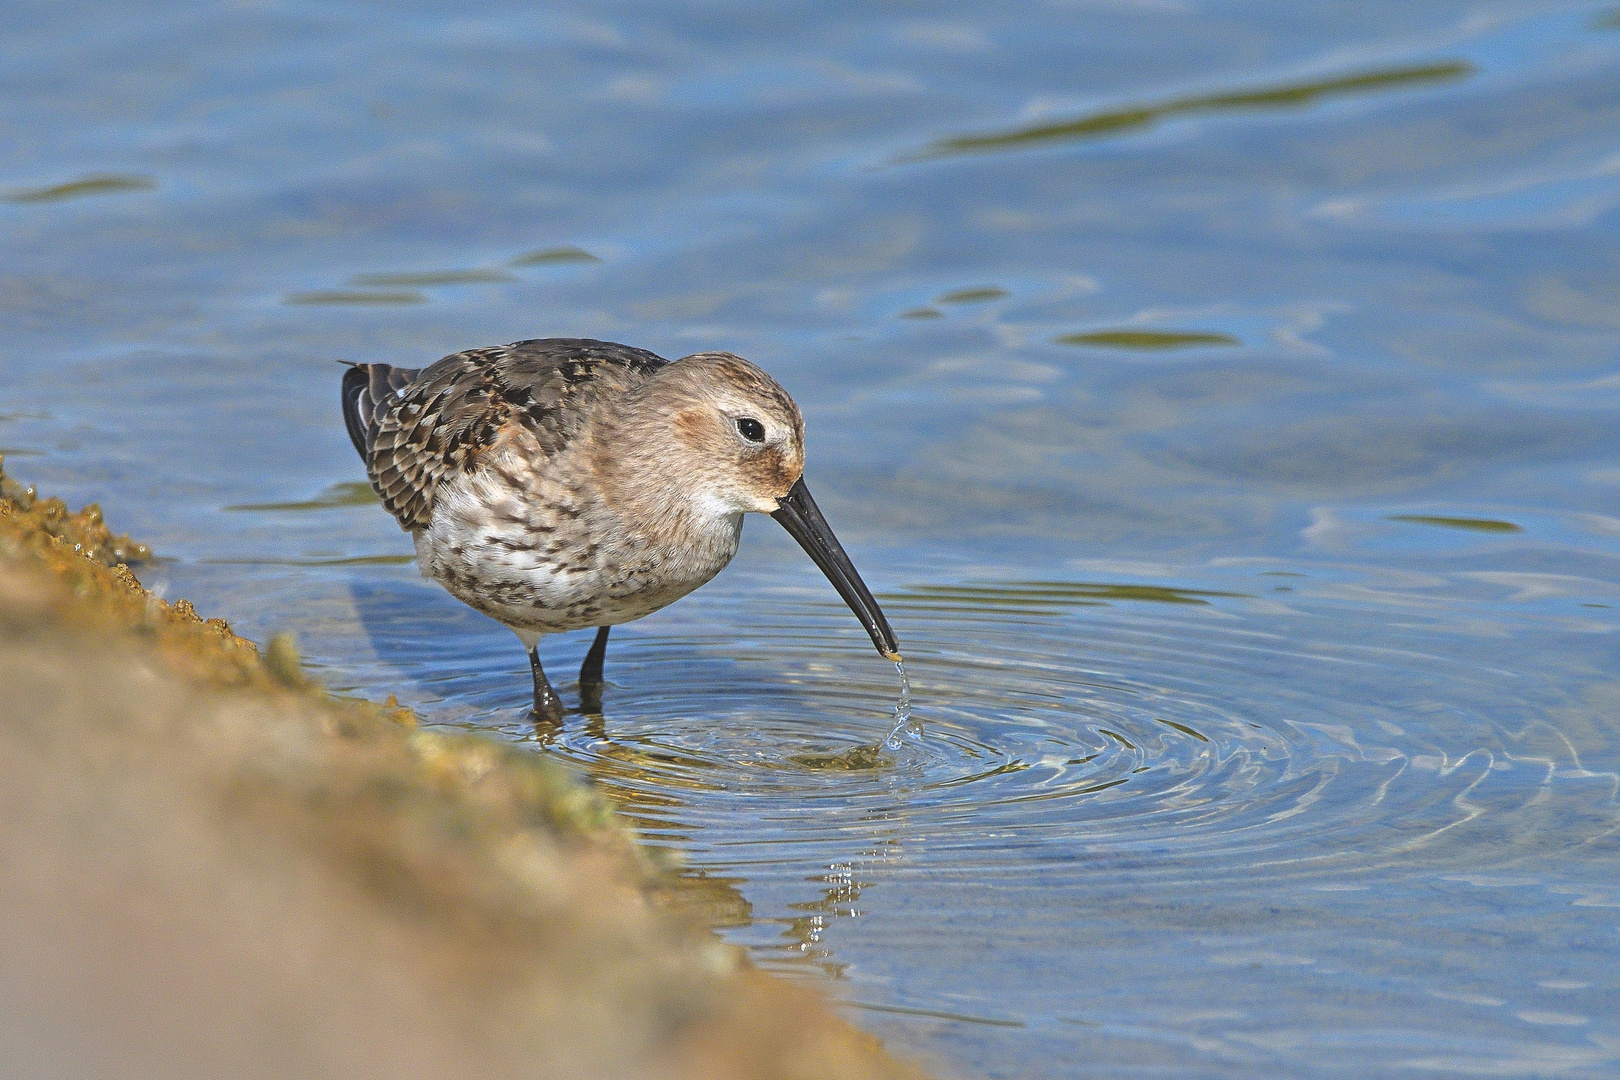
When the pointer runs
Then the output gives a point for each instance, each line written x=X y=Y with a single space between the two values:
x=319 y=886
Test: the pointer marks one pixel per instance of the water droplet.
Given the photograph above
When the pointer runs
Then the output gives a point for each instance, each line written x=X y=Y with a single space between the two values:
x=904 y=726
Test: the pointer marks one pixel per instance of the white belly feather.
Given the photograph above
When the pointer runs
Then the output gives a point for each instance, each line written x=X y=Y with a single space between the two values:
x=545 y=561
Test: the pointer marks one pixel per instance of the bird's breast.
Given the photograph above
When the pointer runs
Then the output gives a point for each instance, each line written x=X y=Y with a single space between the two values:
x=536 y=552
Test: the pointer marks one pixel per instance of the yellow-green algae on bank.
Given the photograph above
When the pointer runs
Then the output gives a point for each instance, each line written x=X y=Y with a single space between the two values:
x=211 y=866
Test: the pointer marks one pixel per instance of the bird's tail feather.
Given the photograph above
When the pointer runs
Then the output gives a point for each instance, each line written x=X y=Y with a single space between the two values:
x=367 y=390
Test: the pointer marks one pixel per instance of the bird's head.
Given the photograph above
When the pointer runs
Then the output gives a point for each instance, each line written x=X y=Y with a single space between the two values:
x=742 y=434
x=725 y=440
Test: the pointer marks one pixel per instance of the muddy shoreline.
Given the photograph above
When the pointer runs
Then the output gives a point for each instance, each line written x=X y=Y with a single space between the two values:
x=209 y=865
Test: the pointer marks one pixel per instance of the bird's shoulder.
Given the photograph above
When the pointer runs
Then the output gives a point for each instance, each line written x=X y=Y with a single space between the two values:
x=445 y=416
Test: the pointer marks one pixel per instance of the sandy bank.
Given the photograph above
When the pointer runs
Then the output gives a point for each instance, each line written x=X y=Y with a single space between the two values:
x=211 y=867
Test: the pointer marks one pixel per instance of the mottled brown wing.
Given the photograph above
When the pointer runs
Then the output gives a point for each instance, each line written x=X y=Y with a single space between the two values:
x=367 y=388
x=415 y=429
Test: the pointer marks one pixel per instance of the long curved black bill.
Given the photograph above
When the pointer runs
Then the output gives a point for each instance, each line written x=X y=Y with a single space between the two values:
x=800 y=516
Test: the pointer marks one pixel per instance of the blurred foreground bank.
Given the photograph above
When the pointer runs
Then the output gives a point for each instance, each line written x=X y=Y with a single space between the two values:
x=211 y=867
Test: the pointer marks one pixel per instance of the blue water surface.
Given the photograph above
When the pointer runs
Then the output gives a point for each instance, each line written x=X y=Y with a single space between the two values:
x=1221 y=398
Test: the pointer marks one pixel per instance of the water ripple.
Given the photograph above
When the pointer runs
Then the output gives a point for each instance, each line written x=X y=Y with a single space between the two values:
x=1054 y=733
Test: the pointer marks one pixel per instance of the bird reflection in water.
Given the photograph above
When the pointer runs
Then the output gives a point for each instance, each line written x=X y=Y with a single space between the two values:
x=646 y=781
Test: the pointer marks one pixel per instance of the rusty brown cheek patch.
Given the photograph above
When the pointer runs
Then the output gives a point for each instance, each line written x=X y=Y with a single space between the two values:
x=773 y=471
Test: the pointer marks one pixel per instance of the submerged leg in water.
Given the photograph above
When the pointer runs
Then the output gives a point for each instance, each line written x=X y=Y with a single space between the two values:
x=590 y=673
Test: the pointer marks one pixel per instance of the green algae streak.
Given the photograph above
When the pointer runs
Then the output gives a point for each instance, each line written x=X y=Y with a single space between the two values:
x=109 y=184
x=971 y=296
x=1035 y=596
x=1472 y=524
x=1115 y=121
x=552 y=256
x=1147 y=339
x=352 y=296
x=348 y=493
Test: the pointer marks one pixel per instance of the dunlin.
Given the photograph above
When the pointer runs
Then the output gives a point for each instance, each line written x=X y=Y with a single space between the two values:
x=565 y=483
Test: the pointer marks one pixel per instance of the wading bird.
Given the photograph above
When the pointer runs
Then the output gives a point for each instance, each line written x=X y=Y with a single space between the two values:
x=563 y=483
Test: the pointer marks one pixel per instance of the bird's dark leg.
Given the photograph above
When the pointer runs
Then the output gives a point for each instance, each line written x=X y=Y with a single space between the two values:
x=547 y=705
x=590 y=673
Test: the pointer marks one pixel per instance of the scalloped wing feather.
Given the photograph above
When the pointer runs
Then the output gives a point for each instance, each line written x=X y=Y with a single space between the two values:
x=417 y=428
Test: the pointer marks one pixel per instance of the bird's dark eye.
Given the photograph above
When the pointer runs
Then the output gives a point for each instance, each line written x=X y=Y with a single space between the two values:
x=751 y=429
